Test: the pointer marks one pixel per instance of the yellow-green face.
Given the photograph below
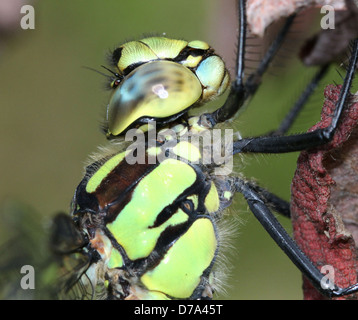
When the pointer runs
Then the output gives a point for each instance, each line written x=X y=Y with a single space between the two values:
x=151 y=224
x=160 y=79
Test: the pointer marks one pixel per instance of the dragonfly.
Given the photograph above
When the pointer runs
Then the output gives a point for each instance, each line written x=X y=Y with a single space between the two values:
x=147 y=221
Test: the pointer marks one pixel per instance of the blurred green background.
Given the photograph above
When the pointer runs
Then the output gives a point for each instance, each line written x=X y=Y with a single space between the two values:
x=51 y=108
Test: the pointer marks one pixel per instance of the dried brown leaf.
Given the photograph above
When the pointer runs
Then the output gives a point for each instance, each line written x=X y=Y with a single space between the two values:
x=324 y=198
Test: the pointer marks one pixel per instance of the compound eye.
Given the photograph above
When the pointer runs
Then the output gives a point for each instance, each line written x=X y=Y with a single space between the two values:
x=155 y=90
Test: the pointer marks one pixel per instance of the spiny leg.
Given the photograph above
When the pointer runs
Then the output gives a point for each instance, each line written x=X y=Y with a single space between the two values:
x=298 y=142
x=274 y=202
x=254 y=80
x=237 y=93
x=291 y=116
x=286 y=243
x=240 y=92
